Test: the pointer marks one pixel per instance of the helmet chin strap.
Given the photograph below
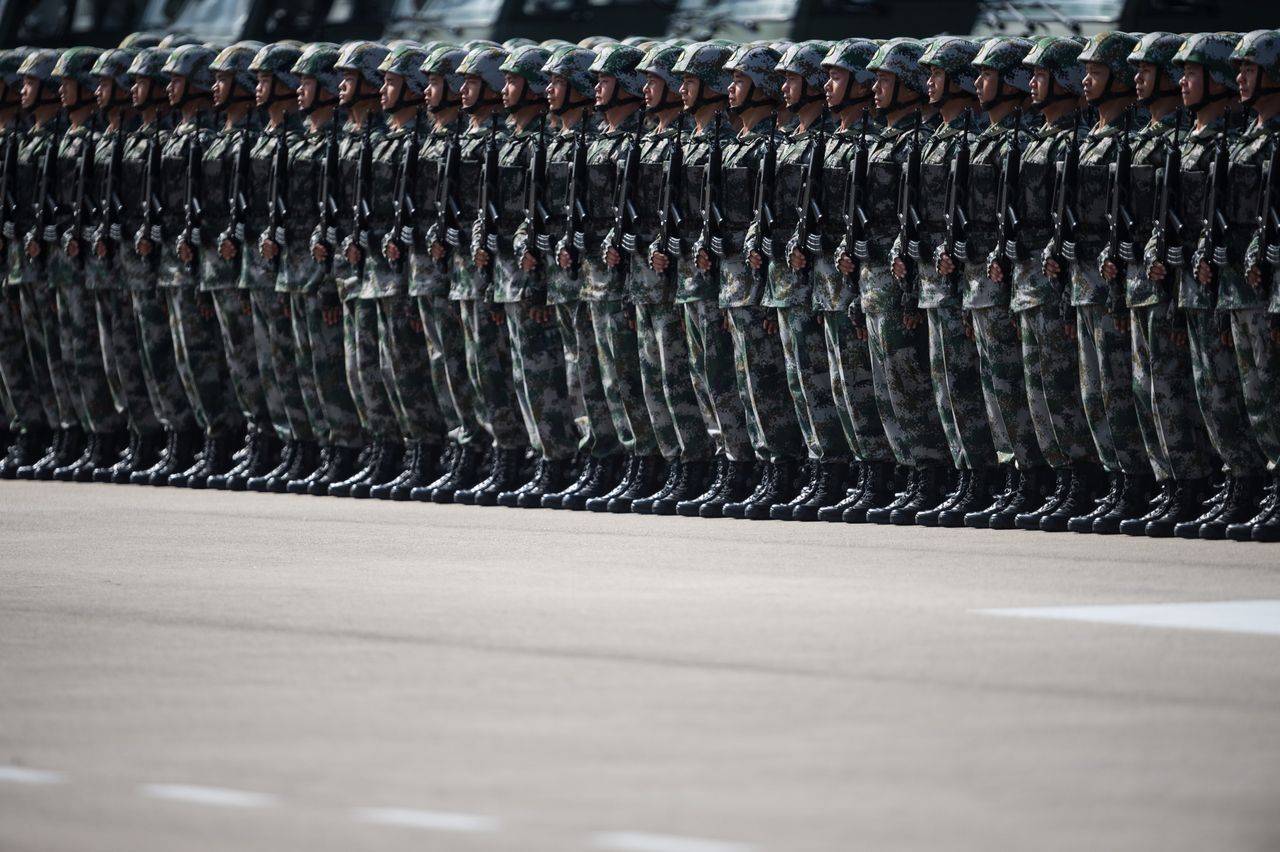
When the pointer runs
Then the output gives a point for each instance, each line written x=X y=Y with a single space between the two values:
x=573 y=100
x=1002 y=97
x=750 y=102
x=482 y=102
x=1158 y=92
x=319 y=103
x=449 y=101
x=1207 y=98
x=1057 y=94
x=1259 y=90
x=703 y=101
x=1109 y=94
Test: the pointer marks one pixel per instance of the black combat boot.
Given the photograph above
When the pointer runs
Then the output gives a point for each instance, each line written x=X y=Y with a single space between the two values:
x=605 y=478
x=1241 y=505
x=386 y=469
x=1080 y=498
x=1030 y=494
x=1064 y=482
x=25 y=450
x=589 y=469
x=1137 y=525
x=765 y=474
x=344 y=463
x=1243 y=531
x=123 y=461
x=691 y=504
x=976 y=495
x=962 y=482
x=168 y=447
x=370 y=458
x=1133 y=501
x=67 y=472
x=1266 y=526
x=883 y=513
x=855 y=483
x=462 y=473
x=256 y=462
x=877 y=490
x=556 y=475
x=409 y=465
x=1000 y=497
x=600 y=502
x=215 y=459
x=927 y=494
x=782 y=488
x=1187 y=502
x=644 y=505
x=807 y=477
x=504 y=476
x=324 y=458
x=1190 y=528
x=646 y=479
x=424 y=471
x=1104 y=505
x=511 y=499
x=827 y=491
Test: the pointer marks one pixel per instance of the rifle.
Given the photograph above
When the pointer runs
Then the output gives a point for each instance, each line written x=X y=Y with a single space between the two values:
x=107 y=234
x=402 y=230
x=80 y=212
x=1168 y=231
x=575 y=212
x=809 y=219
x=855 y=218
x=1006 y=197
x=957 y=191
x=359 y=237
x=765 y=183
x=1120 y=241
x=670 y=219
x=711 y=238
x=535 y=210
x=909 y=215
x=152 y=213
x=45 y=206
x=278 y=209
x=325 y=235
x=1062 y=249
x=487 y=211
x=624 y=219
x=1213 y=235
x=190 y=235
x=237 y=204
x=1268 y=220
x=8 y=206
x=445 y=228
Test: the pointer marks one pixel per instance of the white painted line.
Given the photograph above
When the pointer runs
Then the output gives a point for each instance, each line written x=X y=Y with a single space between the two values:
x=1260 y=617
x=635 y=841
x=433 y=820
x=219 y=797
x=23 y=775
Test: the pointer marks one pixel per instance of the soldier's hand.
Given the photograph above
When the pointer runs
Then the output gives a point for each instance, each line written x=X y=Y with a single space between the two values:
x=415 y=324
x=353 y=255
x=205 y=305
x=33 y=249
x=185 y=254
x=331 y=314
x=99 y=248
x=227 y=250
x=629 y=311
x=1069 y=330
x=770 y=326
x=755 y=259
x=946 y=264
x=1254 y=277
x=73 y=248
x=1204 y=274
x=845 y=264
x=391 y=251
x=481 y=258
x=1109 y=271
x=899 y=269
x=1052 y=269
x=565 y=260
x=1121 y=319
x=1158 y=273
x=438 y=251
x=1227 y=339
x=497 y=317
x=528 y=263
x=612 y=256
x=144 y=248
x=995 y=273
x=246 y=304
x=911 y=320
x=703 y=261
x=270 y=250
x=797 y=260
x=320 y=253
x=540 y=313
x=659 y=260
x=968 y=326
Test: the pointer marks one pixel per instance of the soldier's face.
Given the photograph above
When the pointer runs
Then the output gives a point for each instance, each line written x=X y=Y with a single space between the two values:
x=176 y=88
x=1096 y=79
x=882 y=89
x=1040 y=85
x=557 y=91
x=349 y=87
x=690 y=86
x=512 y=90
x=1144 y=79
x=655 y=88
x=68 y=92
x=471 y=89
x=1192 y=84
x=605 y=85
x=392 y=86
x=792 y=88
x=223 y=82
x=739 y=89
x=105 y=92
x=937 y=84
x=988 y=84
x=436 y=87
x=140 y=91
x=836 y=86
x=1247 y=79
x=307 y=90
x=30 y=92
x=262 y=91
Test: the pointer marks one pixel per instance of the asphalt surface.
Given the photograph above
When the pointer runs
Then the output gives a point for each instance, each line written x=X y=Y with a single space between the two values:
x=204 y=671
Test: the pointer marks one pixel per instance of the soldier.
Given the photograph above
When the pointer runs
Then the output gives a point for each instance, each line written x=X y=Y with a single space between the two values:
x=304 y=253
x=1002 y=87
x=704 y=87
x=1174 y=433
x=354 y=267
x=226 y=184
x=429 y=281
x=201 y=355
x=1056 y=407
x=536 y=350
x=286 y=368
x=38 y=181
x=953 y=355
x=72 y=279
x=1257 y=62
x=141 y=191
x=1209 y=90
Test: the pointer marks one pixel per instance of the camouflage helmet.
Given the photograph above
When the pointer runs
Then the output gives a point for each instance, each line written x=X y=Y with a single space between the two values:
x=595 y=42
x=192 y=62
x=512 y=44
x=620 y=61
x=1158 y=49
x=472 y=43
x=444 y=61
x=805 y=59
x=554 y=44
x=319 y=60
x=705 y=60
x=1112 y=49
x=573 y=63
x=526 y=62
x=39 y=64
x=1005 y=54
x=406 y=60
x=114 y=63
x=659 y=60
x=137 y=41
x=954 y=55
x=10 y=61
x=1213 y=51
x=1061 y=58
x=1262 y=48
x=150 y=63
x=173 y=41
x=901 y=57
x=853 y=55
x=364 y=58
x=237 y=61
x=759 y=63
x=76 y=63
x=278 y=60
x=485 y=62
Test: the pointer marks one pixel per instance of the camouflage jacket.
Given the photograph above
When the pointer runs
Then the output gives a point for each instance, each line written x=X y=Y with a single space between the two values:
x=140 y=273
x=881 y=292
x=299 y=271
x=740 y=286
x=691 y=284
x=605 y=158
x=105 y=274
x=13 y=135
x=383 y=279
x=1150 y=145
x=986 y=159
x=512 y=284
x=355 y=282
x=32 y=152
x=256 y=272
x=559 y=286
x=644 y=286
x=62 y=270
x=831 y=291
x=466 y=284
x=174 y=272
x=1041 y=160
x=221 y=157
x=428 y=278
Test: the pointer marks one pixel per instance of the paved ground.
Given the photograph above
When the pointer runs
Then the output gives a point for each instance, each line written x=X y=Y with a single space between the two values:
x=198 y=671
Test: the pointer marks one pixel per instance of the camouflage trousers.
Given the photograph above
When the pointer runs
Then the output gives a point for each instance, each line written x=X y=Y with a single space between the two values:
x=1217 y=379
x=715 y=380
x=1174 y=433
x=80 y=343
x=325 y=345
x=364 y=369
x=1106 y=389
x=809 y=381
x=537 y=368
x=160 y=362
x=1051 y=388
x=447 y=349
x=16 y=371
x=1258 y=359
x=202 y=361
x=44 y=345
x=273 y=341
x=300 y=307
x=488 y=349
x=957 y=390
x=761 y=371
x=904 y=390
x=853 y=387
x=619 y=355
x=668 y=389
x=1004 y=386
x=122 y=353
x=406 y=370
x=248 y=381
x=582 y=377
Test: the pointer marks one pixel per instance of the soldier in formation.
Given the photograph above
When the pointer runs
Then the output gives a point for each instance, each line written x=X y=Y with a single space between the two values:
x=997 y=283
